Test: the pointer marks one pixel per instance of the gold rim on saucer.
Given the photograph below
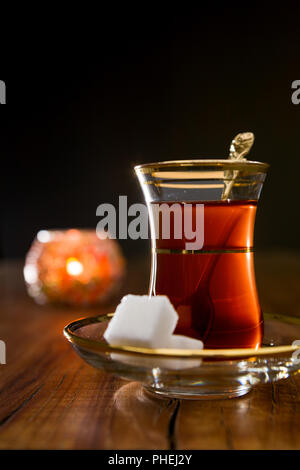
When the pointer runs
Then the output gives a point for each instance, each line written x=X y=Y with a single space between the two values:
x=237 y=353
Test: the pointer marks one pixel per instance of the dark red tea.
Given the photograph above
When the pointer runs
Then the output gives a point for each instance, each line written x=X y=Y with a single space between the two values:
x=214 y=290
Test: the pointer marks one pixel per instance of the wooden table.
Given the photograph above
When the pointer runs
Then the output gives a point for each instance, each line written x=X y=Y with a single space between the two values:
x=51 y=399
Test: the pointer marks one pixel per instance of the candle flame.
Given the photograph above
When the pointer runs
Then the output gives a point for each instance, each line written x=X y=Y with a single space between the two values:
x=73 y=266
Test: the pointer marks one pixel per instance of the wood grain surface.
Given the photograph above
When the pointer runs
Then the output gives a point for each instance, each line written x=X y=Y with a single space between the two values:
x=51 y=399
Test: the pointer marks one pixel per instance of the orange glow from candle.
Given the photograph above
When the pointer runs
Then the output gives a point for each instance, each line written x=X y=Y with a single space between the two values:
x=73 y=266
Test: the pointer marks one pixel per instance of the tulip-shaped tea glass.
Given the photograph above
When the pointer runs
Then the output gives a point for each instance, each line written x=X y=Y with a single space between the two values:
x=202 y=216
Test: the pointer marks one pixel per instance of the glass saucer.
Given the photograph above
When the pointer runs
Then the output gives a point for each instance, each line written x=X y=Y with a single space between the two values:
x=193 y=374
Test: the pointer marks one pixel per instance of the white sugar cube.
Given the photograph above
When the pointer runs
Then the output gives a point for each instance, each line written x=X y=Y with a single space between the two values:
x=184 y=342
x=174 y=342
x=144 y=321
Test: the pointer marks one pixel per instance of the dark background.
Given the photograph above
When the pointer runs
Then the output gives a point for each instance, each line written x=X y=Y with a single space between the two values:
x=89 y=97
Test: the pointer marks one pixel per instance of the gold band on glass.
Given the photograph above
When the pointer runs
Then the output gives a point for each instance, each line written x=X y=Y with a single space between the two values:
x=170 y=251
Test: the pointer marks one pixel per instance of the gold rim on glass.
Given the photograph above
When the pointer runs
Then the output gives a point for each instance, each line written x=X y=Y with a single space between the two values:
x=216 y=163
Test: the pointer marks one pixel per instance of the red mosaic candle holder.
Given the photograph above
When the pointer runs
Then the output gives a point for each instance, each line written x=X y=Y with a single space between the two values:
x=73 y=267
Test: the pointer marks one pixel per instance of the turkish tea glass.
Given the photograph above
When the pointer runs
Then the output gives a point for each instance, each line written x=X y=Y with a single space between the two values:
x=210 y=278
